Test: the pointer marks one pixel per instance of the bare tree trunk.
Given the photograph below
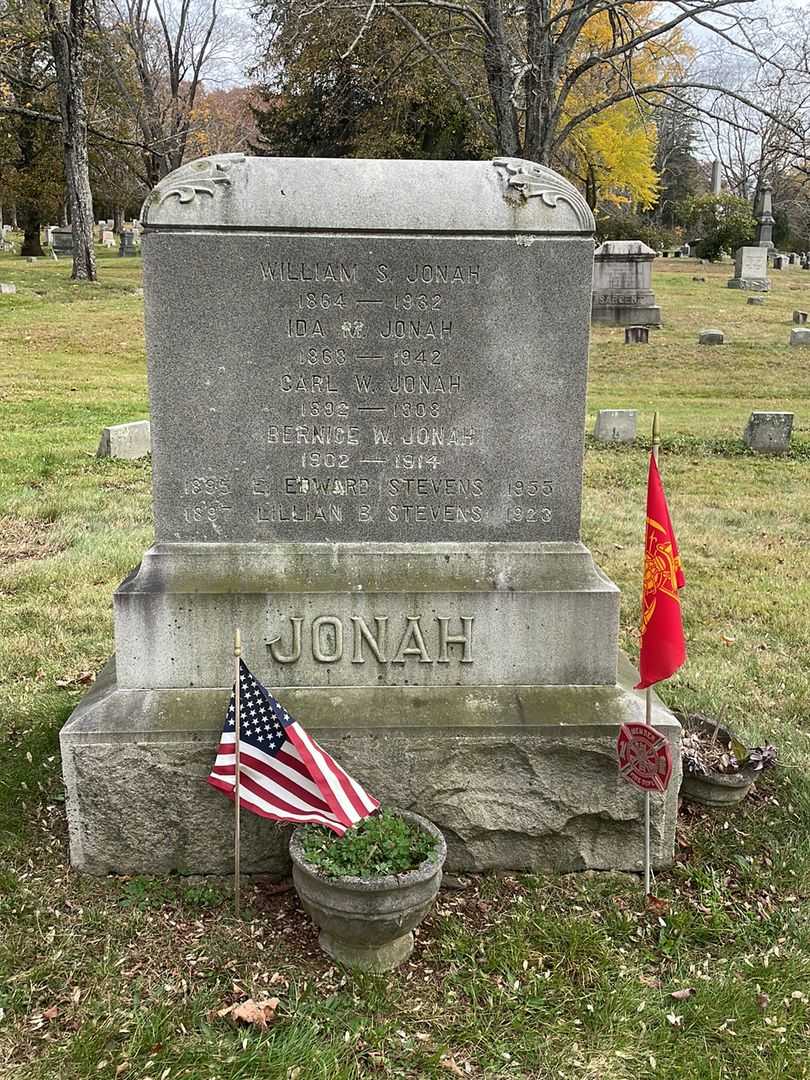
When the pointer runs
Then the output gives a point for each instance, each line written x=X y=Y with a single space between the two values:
x=498 y=65
x=591 y=187
x=14 y=224
x=118 y=220
x=67 y=22
x=188 y=37
x=535 y=79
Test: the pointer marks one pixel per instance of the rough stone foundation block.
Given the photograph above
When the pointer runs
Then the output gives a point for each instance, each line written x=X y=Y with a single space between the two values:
x=800 y=336
x=6 y=289
x=637 y=335
x=615 y=425
x=516 y=777
x=710 y=337
x=756 y=300
x=800 y=317
x=769 y=432
x=129 y=441
x=751 y=284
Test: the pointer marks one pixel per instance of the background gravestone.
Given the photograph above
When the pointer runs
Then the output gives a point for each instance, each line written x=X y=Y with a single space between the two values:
x=328 y=382
x=62 y=241
x=615 y=425
x=128 y=245
x=622 y=285
x=750 y=269
x=768 y=432
x=763 y=212
x=128 y=441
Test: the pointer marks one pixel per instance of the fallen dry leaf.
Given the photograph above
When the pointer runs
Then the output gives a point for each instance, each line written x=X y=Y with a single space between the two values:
x=763 y=1001
x=447 y=1061
x=683 y=995
x=258 y=1013
x=674 y=1019
x=84 y=678
x=50 y=1014
x=656 y=905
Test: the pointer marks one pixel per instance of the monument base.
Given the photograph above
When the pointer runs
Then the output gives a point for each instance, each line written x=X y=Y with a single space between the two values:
x=517 y=777
x=623 y=315
x=750 y=284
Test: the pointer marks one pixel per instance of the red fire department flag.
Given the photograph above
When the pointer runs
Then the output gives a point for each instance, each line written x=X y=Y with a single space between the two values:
x=663 y=647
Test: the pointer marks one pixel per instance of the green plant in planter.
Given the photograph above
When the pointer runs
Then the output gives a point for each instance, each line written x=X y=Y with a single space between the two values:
x=369 y=889
x=377 y=846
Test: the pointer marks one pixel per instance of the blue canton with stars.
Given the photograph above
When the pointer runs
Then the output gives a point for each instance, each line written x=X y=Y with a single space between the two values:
x=262 y=718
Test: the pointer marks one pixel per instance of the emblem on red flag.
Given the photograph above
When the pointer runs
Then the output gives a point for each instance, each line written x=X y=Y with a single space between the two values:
x=645 y=758
x=663 y=646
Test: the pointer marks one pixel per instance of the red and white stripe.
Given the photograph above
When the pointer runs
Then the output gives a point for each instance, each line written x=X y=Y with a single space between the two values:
x=301 y=783
x=348 y=801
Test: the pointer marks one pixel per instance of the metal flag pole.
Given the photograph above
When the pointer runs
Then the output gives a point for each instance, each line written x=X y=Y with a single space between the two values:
x=237 y=652
x=647 y=867
x=656 y=439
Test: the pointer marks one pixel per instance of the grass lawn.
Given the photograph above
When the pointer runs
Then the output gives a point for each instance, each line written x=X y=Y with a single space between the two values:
x=519 y=977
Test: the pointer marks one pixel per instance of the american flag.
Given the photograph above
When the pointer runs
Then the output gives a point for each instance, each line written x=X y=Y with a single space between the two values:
x=284 y=775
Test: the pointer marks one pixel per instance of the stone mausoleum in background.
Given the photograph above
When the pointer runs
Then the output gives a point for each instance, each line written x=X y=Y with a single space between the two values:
x=367 y=396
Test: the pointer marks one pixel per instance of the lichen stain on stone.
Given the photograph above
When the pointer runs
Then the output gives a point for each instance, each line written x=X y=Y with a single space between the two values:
x=524 y=241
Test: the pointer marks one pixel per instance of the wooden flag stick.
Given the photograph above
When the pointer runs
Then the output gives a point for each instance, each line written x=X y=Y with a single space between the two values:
x=656 y=439
x=237 y=652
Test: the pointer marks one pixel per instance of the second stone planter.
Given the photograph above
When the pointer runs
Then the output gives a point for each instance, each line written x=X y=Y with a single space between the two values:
x=368 y=923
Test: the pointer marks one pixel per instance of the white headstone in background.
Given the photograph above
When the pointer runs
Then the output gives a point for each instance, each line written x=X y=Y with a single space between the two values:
x=129 y=441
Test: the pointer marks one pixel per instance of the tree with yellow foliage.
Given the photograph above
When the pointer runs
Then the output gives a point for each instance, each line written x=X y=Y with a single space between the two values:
x=612 y=153
x=556 y=81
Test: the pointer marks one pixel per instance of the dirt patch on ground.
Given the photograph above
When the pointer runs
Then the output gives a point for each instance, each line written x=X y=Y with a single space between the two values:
x=21 y=539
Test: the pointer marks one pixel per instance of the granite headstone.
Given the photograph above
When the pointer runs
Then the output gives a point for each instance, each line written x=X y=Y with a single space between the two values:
x=128 y=245
x=763 y=212
x=62 y=241
x=768 y=432
x=367 y=434
x=750 y=269
x=622 y=285
x=615 y=425
x=129 y=441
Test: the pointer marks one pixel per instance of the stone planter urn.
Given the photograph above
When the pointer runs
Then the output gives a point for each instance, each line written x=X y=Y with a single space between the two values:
x=367 y=922
x=718 y=788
